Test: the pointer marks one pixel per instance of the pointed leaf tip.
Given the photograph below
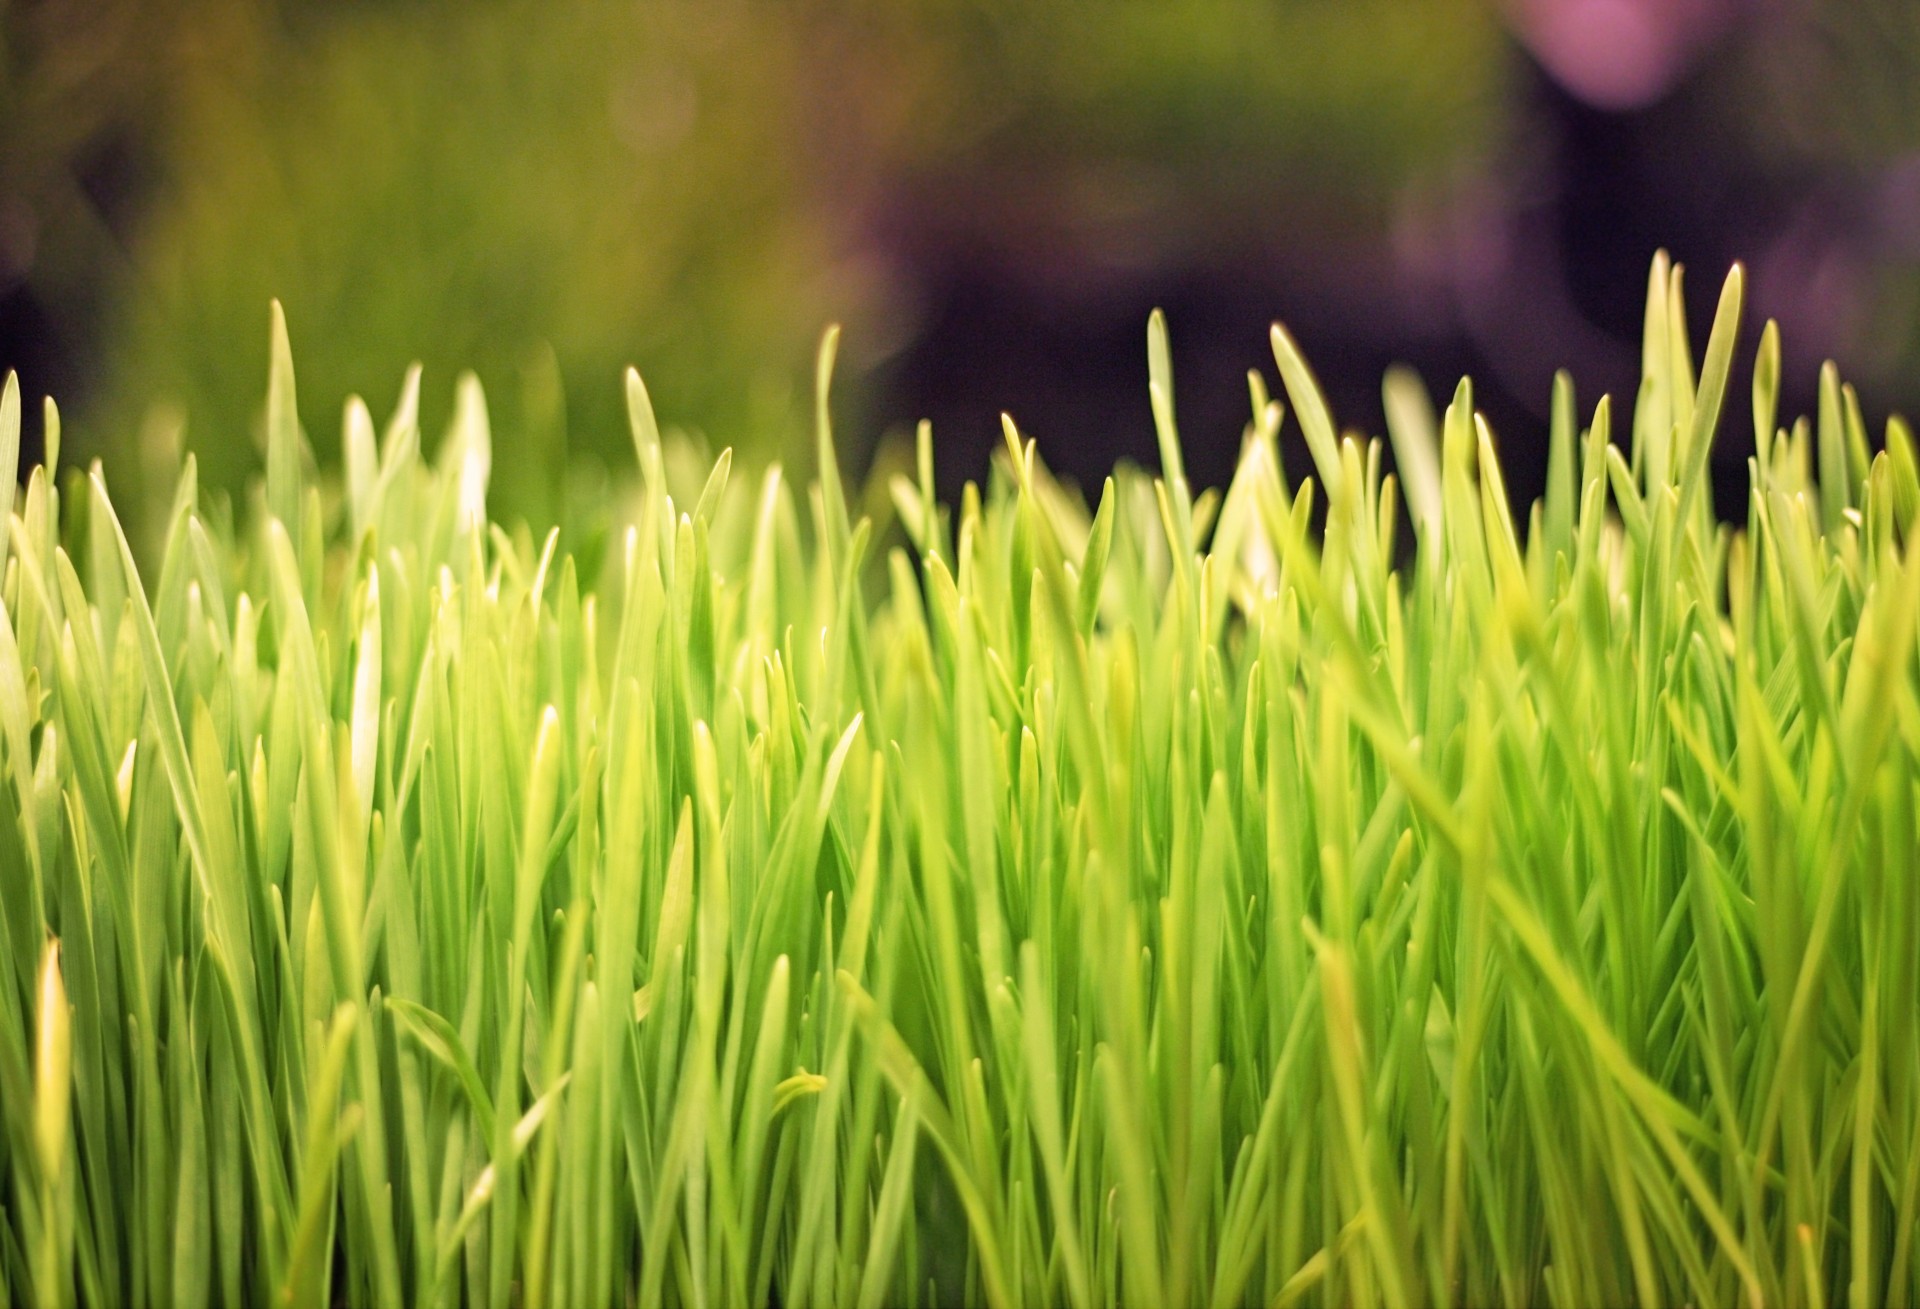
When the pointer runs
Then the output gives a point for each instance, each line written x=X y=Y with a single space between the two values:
x=1414 y=429
x=1316 y=420
x=1160 y=393
x=404 y=423
x=475 y=437
x=1766 y=385
x=52 y=1064
x=1713 y=387
x=833 y=497
x=9 y=452
x=49 y=439
x=1010 y=436
x=646 y=428
x=823 y=362
x=283 y=423
x=1159 y=354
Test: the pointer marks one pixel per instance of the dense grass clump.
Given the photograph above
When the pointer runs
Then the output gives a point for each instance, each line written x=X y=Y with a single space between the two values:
x=1196 y=901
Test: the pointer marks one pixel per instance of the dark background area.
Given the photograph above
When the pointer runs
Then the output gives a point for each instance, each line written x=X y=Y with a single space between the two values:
x=992 y=198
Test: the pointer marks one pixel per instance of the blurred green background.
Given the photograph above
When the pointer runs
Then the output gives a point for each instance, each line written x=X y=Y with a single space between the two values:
x=989 y=195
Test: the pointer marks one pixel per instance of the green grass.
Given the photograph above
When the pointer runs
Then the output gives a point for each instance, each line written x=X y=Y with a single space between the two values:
x=1192 y=901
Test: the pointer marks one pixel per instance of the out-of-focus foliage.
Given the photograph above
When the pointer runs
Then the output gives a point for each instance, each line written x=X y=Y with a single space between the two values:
x=1834 y=94
x=538 y=191
x=546 y=192
x=72 y=73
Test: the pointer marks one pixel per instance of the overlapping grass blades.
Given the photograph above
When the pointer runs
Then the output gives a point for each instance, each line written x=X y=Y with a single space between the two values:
x=1198 y=901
